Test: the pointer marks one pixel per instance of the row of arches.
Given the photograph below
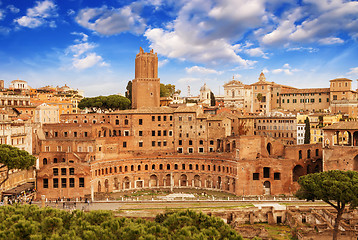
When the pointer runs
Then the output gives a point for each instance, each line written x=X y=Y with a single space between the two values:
x=166 y=181
x=147 y=167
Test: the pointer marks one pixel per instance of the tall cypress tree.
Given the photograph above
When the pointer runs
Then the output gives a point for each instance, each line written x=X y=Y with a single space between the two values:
x=307 y=131
x=212 y=99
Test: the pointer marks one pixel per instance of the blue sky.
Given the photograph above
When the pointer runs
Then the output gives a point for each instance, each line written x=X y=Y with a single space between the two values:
x=91 y=45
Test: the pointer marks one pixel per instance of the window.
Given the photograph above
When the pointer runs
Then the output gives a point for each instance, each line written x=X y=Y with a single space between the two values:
x=153 y=118
x=81 y=182
x=47 y=148
x=45 y=183
x=63 y=182
x=159 y=133
x=277 y=176
x=140 y=121
x=190 y=142
x=126 y=133
x=164 y=118
x=190 y=150
x=164 y=132
x=75 y=134
x=86 y=134
x=170 y=133
x=159 y=144
x=72 y=171
x=180 y=142
x=266 y=172
x=140 y=133
x=55 y=183
x=124 y=144
x=63 y=171
x=72 y=182
x=140 y=144
x=59 y=148
x=44 y=161
x=153 y=143
x=255 y=176
x=300 y=154
x=159 y=118
x=153 y=133
x=211 y=142
x=126 y=122
x=55 y=171
x=201 y=150
x=164 y=143
x=56 y=134
x=183 y=166
x=317 y=152
x=180 y=118
x=117 y=122
x=180 y=150
x=65 y=134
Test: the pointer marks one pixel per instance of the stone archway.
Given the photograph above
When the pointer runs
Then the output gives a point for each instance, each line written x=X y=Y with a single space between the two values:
x=355 y=138
x=209 y=182
x=183 y=180
x=297 y=172
x=106 y=185
x=126 y=183
x=153 y=181
x=99 y=188
x=197 y=182
x=115 y=184
x=267 y=188
x=167 y=180
x=269 y=148
x=355 y=163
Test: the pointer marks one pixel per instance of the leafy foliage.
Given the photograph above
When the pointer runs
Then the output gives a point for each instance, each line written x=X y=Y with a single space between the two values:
x=112 y=102
x=14 y=158
x=167 y=90
x=129 y=91
x=337 y=188
x=31 y=222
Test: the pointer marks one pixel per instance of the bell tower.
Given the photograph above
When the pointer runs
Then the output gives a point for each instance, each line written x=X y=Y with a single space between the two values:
x=146 y=84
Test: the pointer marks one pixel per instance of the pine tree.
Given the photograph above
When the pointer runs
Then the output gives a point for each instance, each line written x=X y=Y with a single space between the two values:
x=307 y=131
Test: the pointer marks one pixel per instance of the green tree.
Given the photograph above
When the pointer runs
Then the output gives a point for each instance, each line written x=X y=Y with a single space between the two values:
x=307 y=131
x=102 y=103
x=129 y=91
x=337 y=188
x=167 y=90
x=212 y=99
x=259 y=97
x=13 y=158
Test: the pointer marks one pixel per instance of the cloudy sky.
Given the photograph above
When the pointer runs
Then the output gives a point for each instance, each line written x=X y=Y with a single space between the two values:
x=91 y=45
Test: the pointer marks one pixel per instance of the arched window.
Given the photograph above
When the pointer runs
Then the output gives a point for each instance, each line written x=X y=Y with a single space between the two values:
x=44 y=161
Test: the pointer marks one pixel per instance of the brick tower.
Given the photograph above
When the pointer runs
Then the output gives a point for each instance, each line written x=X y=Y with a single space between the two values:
x=146 y=85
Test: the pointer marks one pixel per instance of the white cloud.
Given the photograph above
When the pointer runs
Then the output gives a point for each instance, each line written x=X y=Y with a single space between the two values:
x=39 y=15
x=2 y=14
x=331 y=40
x=205 y=30
x=286 y=69
x=70 y=12
x=162 y=62
x=188 y=80
x=111 y=21
x=82 y=53
x=354 y=71
x=90 y=60
x=314 y=21
x=201 y=70
x=83 y=35
x=256 y=52
x=81 y=48
x=300 y=49
x=29 y=22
